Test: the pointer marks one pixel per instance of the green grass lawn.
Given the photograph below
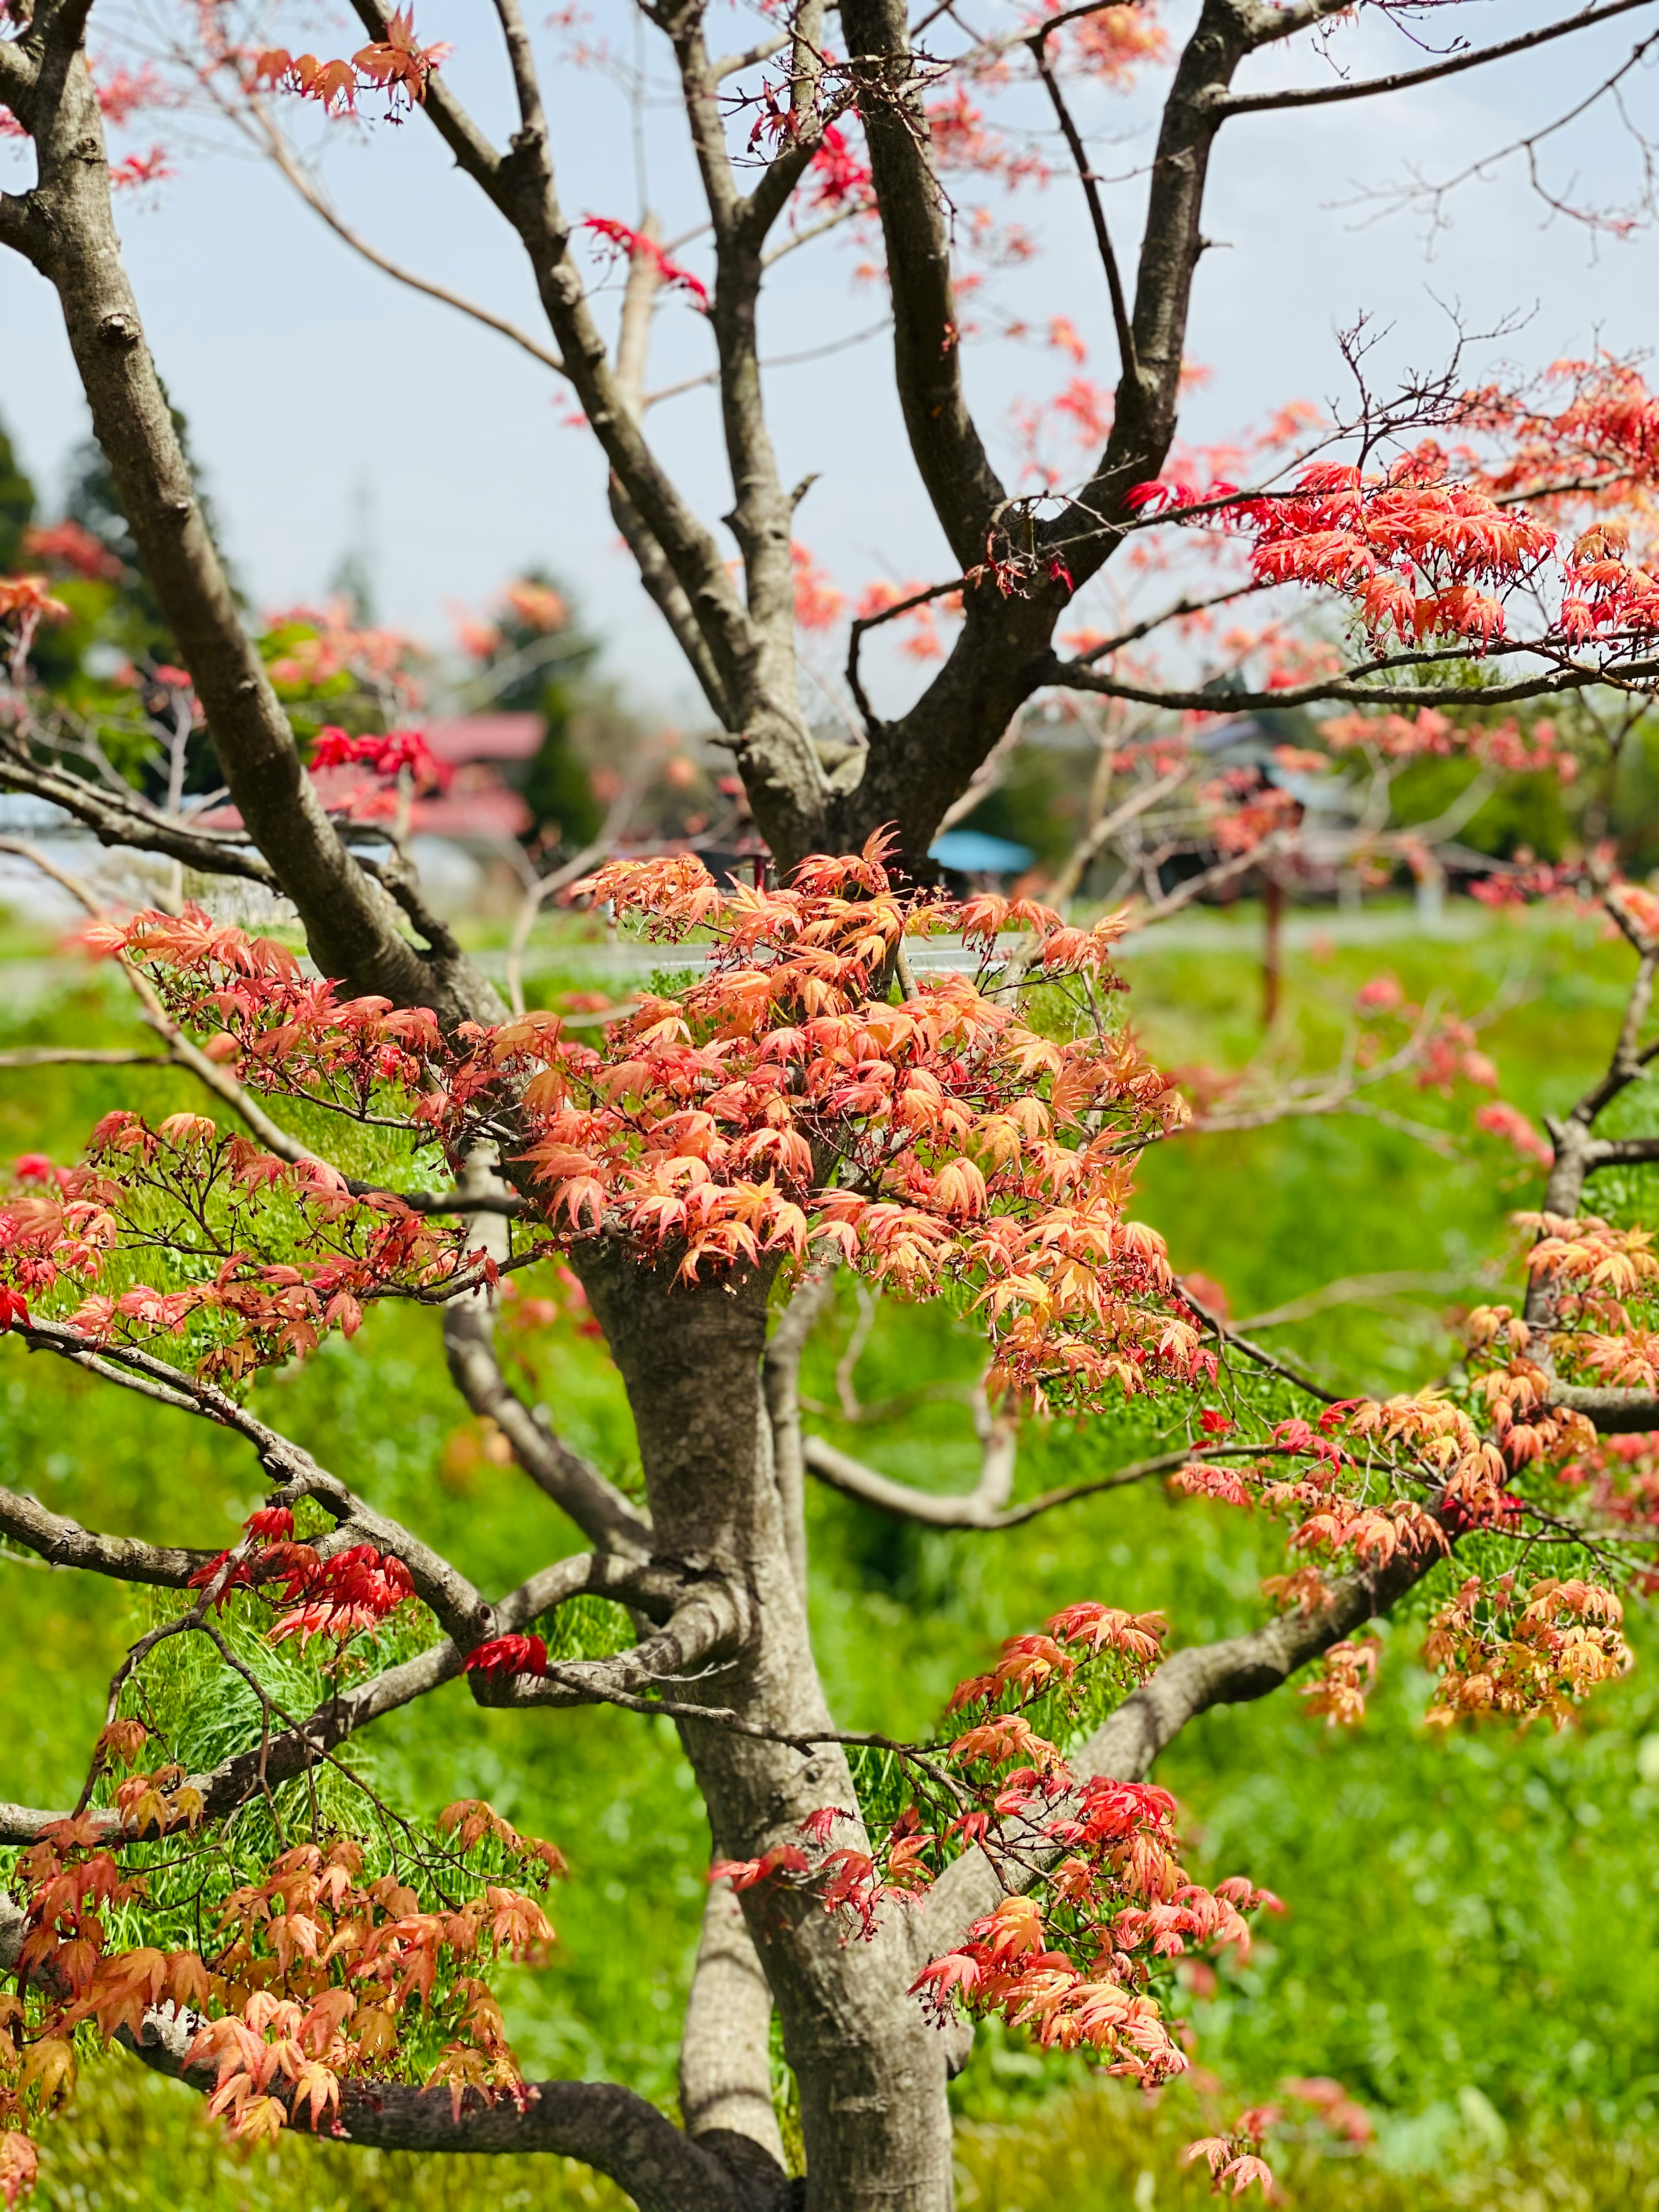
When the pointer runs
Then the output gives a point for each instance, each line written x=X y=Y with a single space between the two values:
x=1473 y=1943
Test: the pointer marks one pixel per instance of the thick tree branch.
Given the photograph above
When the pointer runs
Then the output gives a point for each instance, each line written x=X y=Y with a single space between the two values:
x=713 y=1621
x=132 y=827
x=603 y=2126
x=919 y=765
x=963 y=487
x=599 y=1509
x=65 y=1543
x=1621 y=1152
x=725 y=2049
x=521 y=185
x=1148 y=390
x=985 y=1506
x=1612 y=1412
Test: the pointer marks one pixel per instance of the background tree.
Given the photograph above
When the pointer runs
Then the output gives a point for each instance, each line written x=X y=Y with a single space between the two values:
x=812 y=1099
x=17 y=504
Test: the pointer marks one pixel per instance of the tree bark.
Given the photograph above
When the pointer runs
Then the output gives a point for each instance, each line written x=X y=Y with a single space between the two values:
x=872 y=2072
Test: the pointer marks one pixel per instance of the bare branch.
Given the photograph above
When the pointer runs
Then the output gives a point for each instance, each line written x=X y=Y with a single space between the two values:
x=734 y=64
x=1128 y=363
x=309 y=191
x=974 y=1511
x=570 y=872
x=133 y=826
x=1100 y=834
x=1182 y=607
x=1354 y=1290
x=983 y=1507
x=597 y=1507
x=1073 y=675
x=574 y=1484
x=53 y=1055
x=1259 y=103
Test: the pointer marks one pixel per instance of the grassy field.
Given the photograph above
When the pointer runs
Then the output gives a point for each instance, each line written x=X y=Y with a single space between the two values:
x=1473 y=1945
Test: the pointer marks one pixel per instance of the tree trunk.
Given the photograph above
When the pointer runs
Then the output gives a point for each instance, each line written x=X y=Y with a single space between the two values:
x=872 y=2072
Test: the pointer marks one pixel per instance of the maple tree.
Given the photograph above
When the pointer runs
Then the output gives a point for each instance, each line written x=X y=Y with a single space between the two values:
x=698 y=1169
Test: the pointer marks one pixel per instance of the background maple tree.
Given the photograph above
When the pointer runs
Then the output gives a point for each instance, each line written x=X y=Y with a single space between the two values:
x=1459 y=569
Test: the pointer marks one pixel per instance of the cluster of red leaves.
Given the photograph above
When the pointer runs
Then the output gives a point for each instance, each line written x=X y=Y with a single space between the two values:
x=1527 y=1662
x=25 y=601
x=1363 y=1511
x=1602 y=443
x=1427 y=732
x=316 y=1975
x=1404 y=1478
x=345 y=1594
x=942 y=1143
x=1100 y=1905
x=1378 y=1481
x=1558 y=501
x=1235 y=2161
x=389 y=755
x=271 y=1025
x=1604 y=1281
x=784 y=1100
x=1112 y=43
x=68 y=547
x=1338 y=1688
x=638 y=246
x=1500 y=1119
x=397 y=65
x=1618 y=1478
x=818 y=605
x=508 y=1655
x=185 y=1187
x=838 y=177
x=1421 y=554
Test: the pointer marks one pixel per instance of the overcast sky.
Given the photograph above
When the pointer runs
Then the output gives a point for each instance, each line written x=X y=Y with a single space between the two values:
x=308 y=376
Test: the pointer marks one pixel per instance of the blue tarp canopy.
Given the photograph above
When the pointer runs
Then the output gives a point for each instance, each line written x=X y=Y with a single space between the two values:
x=971 y=853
